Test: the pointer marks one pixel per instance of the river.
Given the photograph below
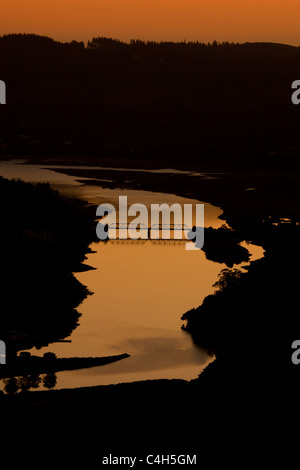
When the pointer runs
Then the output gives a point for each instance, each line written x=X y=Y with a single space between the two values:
x=140 y=291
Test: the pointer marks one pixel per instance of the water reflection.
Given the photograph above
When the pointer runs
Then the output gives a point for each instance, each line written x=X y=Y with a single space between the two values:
x=140 y=291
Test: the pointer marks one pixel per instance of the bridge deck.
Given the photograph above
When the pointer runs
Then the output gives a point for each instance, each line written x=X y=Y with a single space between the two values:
x=153 y=227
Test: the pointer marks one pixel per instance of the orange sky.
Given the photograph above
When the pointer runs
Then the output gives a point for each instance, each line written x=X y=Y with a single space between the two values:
x=176 y=20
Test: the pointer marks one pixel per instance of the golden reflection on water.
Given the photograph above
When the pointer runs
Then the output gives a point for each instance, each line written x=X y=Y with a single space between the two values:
x=140 y=293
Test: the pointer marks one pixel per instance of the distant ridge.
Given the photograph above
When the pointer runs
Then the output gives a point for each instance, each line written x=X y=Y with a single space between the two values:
x=27 y=37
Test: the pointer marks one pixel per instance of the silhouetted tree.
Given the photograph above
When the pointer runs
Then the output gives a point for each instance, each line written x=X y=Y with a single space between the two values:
x=50 y=380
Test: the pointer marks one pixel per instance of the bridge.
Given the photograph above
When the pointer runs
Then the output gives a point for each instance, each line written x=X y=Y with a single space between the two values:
x=161 y=231
x=139 y=241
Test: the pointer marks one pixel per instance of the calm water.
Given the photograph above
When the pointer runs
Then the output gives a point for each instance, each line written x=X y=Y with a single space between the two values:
x=140 y=292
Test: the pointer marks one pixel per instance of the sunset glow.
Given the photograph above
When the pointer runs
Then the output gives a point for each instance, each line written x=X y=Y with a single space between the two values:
x=174 y=20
